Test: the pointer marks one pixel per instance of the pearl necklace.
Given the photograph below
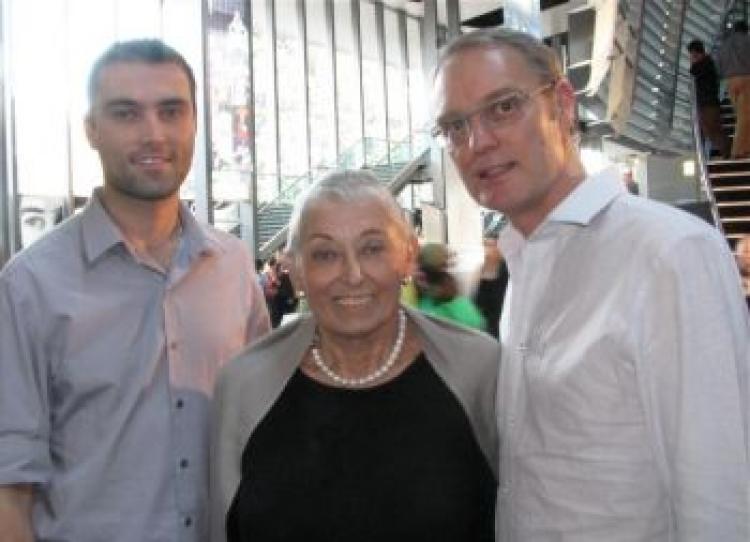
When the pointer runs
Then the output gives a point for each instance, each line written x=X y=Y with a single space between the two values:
x=377 y=373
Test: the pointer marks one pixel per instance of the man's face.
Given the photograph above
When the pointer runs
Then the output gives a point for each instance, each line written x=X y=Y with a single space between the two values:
x=520 y=168
x=143 y=126
x=695 y=56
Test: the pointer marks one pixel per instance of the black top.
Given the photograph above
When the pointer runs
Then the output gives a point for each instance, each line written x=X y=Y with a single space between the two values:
x=706 y=81
x=490 y=296
x=394 y=462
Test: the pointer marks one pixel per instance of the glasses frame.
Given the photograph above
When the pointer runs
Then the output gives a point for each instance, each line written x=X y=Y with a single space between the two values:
x=483 y=110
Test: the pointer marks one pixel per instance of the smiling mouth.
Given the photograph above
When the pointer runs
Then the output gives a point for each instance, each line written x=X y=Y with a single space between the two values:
x=353 y=301
x=490 y=173
x=150 y=161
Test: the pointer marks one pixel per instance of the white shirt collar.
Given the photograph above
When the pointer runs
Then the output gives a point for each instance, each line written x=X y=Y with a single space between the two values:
x=579 y=207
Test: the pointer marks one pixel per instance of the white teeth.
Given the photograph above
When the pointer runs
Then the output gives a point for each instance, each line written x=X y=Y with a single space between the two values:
x=352 y=301
x=150 y=160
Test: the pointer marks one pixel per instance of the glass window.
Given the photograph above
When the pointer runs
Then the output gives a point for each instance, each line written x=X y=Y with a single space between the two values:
x=321 y=88
x=373 y=85
x=265 y=103
x=348 y=87
x=291 y=90
x=231 y=158
x=396 y=79
x=417 y=88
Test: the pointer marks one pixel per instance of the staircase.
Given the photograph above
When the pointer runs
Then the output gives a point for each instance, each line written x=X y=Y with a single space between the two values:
x=401 y=164
x=728 y=188
x=729 y=181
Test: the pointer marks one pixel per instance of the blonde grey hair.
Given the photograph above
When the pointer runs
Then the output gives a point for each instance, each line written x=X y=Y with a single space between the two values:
x=540 y=58
x=345 y=186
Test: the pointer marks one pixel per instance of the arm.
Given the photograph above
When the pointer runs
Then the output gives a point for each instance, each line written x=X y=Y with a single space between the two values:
x=693 y=363
x=15 y=513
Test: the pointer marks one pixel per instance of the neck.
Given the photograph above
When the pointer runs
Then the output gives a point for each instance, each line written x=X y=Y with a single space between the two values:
x=352 y=357
x=144 y=223
x=567 y=181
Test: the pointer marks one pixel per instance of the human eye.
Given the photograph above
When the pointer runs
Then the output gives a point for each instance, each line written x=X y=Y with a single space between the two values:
x=124 y=113
x=373 y=247
x=453 y=128
x=172 y=111
x=324 y=255
x=504 y=107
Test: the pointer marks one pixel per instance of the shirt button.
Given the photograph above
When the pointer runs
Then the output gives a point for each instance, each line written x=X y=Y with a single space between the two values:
x=180 y=403
x=505 y=490
x=183 y=463
x=188 y=521
x=173 y=345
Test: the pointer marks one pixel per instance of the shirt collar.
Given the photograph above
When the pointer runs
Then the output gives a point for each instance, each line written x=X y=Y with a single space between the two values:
x=100 y=233
x=588 y=198
x=579 y=207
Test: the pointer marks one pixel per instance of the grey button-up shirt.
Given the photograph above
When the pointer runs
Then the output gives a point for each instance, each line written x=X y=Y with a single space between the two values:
x=107 y=368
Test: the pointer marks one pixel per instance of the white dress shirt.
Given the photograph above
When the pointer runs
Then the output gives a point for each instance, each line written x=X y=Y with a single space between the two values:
x=623 y=393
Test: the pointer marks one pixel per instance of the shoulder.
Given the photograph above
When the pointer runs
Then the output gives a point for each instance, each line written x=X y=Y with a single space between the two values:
x=50 y=257
x=449 y=344
x=638 y=224
x=272 y=358
x=224 y=242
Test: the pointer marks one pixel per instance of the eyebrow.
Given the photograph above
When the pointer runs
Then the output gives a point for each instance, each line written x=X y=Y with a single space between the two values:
x=365 y=233
x=129 y=102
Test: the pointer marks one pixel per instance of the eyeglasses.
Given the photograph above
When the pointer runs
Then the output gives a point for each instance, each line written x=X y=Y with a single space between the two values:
x=454 y=131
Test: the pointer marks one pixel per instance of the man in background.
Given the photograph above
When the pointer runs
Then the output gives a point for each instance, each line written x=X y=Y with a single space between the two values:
x=733 y=63
x=623 y=391
x=114 y=326
x=706 y=83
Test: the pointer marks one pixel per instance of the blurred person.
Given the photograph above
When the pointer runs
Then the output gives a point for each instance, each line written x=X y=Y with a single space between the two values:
x=742 y=254
x=437 y=289
x=493 y=282
x=623 y=391
x=706 y=84
x=114 y=326
x=733 y=63
x=362 y=420
x=284 y=299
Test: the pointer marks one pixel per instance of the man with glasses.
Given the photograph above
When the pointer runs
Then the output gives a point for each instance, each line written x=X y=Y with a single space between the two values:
x=114 y=326
x=623 y=397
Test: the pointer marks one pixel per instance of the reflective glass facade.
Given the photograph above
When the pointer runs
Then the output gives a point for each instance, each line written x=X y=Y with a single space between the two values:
x=287 y=90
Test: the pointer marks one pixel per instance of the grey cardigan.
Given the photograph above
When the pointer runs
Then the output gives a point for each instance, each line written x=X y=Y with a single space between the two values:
x=465 y=359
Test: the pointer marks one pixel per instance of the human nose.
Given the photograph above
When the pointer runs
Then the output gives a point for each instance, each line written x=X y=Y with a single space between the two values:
x=152 y=127
x=481 y=136
x=352 y=268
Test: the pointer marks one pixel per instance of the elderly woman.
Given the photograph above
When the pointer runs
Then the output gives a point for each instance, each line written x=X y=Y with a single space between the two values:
x=364 y=420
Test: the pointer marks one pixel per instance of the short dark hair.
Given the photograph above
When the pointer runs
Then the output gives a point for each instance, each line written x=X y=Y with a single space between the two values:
x=740 y=26
x=150 y=51
x=696 y=46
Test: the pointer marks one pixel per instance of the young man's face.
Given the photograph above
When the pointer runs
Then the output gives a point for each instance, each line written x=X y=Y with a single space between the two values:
x=520 y=167
x=143 y=125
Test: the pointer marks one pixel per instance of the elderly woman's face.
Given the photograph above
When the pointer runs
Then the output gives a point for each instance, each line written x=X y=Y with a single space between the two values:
x=352 y=259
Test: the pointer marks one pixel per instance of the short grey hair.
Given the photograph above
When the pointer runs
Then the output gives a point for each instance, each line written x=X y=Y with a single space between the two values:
x=345 y=186
x=540 y=58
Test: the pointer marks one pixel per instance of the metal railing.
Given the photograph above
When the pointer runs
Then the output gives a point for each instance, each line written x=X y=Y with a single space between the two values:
x=367 y=152
x=701 y=159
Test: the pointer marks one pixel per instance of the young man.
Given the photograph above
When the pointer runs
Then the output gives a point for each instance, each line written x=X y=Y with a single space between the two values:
x=706 y=83
x=623 y=396
x=114 y=326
